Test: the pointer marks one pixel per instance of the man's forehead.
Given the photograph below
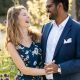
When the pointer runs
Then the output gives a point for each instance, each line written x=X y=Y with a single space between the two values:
x=49 y=1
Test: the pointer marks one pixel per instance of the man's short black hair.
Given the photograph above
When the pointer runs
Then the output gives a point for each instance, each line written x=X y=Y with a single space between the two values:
x=64 y=2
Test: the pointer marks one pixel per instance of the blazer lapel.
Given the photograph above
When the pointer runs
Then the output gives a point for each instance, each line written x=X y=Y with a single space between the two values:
x=63 y=35
x=46 y=32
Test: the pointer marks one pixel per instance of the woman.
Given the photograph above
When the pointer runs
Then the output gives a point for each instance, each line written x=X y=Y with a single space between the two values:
x=22 y=44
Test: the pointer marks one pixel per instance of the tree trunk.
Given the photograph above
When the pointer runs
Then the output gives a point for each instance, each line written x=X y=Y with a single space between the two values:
x=73 y=12
x=78 y=9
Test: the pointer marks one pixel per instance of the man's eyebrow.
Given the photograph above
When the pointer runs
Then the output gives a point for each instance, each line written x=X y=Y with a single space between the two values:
x=49 y=5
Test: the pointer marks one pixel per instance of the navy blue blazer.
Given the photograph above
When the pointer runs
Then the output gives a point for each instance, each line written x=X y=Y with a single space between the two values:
x=66 y=54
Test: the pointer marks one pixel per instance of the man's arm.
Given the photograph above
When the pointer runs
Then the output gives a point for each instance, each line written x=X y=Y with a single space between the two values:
x=73 y=66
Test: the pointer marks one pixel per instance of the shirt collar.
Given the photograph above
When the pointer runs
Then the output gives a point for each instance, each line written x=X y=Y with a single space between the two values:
x=62 y=25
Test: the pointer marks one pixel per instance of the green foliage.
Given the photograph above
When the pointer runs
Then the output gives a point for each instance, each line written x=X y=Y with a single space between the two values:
x=7 y=66
x=16 y=2
x=37 y=11
x=4 y=5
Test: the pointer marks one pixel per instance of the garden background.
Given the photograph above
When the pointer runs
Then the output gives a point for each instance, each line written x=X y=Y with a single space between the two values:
x=38 y=16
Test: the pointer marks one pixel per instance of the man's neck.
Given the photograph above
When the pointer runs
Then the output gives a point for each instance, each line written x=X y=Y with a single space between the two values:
x=61 y=18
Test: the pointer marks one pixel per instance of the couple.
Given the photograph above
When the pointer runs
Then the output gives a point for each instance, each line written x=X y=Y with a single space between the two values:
x=58 y=46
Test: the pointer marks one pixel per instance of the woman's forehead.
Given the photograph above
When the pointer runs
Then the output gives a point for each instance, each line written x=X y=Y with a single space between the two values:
x=23 y=11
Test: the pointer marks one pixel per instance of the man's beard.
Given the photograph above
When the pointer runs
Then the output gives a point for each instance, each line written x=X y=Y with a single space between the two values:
x=54 y=15
x=52 y=18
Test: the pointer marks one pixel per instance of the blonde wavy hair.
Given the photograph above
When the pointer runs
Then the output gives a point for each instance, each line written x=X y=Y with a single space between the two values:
x=13 y=33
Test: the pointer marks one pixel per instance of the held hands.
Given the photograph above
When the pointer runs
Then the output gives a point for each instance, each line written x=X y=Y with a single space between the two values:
x=51 y=68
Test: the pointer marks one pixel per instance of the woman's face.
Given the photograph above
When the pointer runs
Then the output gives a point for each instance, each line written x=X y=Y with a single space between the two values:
x=23 y=17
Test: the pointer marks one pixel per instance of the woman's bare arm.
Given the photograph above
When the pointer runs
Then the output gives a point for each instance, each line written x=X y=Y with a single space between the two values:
x=20 y=64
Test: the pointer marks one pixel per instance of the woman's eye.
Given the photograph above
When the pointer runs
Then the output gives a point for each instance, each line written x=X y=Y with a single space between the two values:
x=24 y=15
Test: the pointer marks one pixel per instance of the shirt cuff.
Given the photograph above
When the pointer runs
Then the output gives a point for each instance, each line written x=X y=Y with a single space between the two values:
x=59 y=69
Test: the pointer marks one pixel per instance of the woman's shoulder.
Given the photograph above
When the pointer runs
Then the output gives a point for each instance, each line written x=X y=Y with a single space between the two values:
x=10 y=45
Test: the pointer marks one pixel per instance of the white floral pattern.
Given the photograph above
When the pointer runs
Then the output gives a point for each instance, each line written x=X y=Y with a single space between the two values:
x=35 y=62
x=31 y=57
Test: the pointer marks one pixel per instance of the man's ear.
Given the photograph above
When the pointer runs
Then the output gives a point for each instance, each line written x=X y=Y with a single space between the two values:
x=60 y=5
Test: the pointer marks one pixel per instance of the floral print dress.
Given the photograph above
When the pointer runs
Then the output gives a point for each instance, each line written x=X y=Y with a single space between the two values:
x=32 y=58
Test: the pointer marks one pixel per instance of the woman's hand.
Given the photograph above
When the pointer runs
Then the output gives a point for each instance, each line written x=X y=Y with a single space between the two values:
x=51 y=68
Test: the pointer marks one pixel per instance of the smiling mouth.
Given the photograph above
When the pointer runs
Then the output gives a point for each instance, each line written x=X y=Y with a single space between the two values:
x=27 y=21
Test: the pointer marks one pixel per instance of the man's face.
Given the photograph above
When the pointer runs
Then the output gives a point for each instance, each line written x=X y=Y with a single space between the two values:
x=51 y=9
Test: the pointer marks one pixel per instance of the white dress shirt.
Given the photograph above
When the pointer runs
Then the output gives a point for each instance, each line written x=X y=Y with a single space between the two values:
x=53 y=39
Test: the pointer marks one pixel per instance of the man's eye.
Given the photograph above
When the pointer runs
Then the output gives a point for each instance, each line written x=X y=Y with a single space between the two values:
x=48 y=6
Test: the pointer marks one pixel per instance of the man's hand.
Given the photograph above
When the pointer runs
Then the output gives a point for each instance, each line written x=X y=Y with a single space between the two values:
x=51 y=68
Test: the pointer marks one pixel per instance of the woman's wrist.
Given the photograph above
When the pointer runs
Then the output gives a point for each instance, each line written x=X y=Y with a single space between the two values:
x=44 y=72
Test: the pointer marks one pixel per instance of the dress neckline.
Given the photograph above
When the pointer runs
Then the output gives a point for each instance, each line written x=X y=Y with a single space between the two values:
x=27 y=46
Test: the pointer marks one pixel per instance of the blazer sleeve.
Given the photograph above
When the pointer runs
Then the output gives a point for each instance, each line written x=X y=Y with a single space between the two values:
x=43 y=29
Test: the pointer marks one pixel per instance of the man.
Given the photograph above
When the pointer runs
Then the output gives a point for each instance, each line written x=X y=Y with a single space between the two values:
x=61 y=42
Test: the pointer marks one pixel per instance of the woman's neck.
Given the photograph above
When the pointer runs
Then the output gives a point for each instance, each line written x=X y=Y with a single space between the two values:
x=24 y=31
x=25 y=38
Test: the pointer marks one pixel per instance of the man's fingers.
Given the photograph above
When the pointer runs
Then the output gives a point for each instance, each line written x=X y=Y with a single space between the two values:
x=48 y=65
x=48 y=69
